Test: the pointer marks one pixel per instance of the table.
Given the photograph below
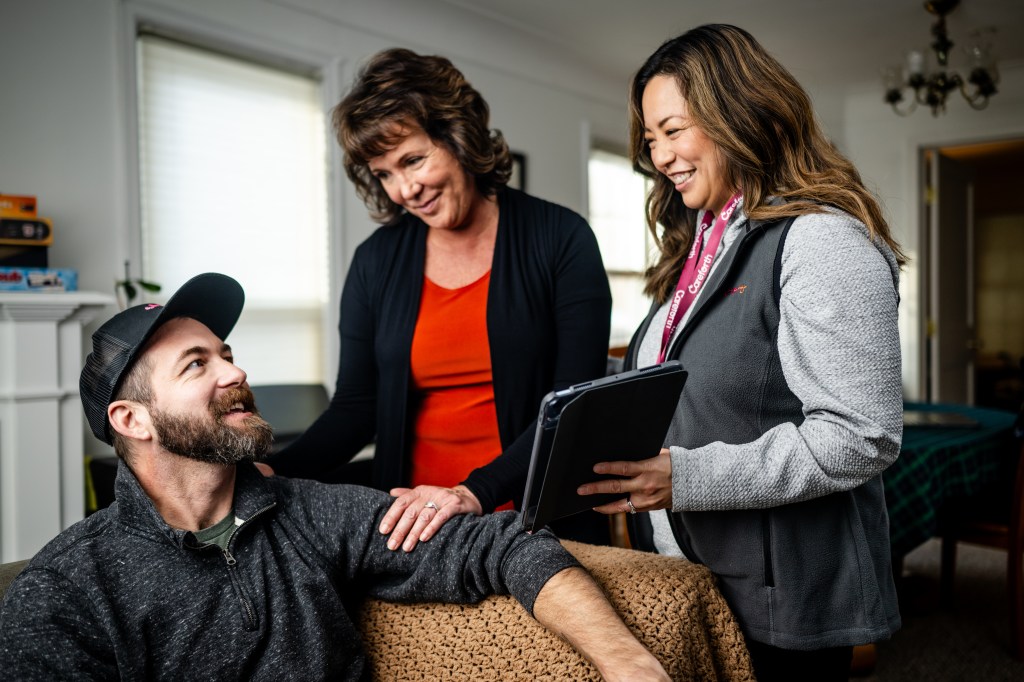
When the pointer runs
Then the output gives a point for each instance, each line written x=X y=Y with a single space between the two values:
x=938 y=463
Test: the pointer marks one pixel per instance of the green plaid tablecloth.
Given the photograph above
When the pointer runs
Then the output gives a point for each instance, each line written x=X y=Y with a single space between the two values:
x=939 y=463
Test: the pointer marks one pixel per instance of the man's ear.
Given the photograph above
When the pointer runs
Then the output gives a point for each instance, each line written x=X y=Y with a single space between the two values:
x=130 y=419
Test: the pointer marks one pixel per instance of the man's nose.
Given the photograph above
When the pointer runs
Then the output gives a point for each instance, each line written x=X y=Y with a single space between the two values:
x=232 y=375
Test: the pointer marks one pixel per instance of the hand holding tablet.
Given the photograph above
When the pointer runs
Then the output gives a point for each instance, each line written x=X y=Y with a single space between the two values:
x=620 y=417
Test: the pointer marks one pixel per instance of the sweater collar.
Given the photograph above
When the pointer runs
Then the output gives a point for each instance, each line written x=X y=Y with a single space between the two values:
x=253 y=495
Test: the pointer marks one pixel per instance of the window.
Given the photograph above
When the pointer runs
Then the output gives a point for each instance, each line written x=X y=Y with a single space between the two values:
x=617 y=197
x=233 y=174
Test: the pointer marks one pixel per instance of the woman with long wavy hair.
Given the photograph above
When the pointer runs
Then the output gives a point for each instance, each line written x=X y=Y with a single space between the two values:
x=776 y=285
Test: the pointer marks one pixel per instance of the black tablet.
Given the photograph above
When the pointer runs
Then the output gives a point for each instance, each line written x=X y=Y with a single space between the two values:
x=619 y=417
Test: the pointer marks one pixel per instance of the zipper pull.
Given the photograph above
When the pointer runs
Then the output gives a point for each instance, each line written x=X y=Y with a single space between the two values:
x=228 y=558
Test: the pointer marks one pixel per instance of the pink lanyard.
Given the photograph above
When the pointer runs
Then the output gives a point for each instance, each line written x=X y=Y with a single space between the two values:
x=694 y=275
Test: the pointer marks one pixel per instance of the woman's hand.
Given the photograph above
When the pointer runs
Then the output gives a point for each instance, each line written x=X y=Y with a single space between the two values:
x=420 y=512
x=646 y=484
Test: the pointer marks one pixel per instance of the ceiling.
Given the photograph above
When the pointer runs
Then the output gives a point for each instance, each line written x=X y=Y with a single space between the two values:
x=824 y=42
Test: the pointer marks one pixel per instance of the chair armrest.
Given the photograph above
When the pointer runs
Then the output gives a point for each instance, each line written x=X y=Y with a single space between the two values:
x=8 y=572
x=672 y=606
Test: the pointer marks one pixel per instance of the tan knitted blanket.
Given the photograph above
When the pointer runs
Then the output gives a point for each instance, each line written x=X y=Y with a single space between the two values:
x=673 y=606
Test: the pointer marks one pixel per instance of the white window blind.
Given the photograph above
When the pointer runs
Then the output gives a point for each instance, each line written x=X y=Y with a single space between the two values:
x=616 y=210
x=233 y=175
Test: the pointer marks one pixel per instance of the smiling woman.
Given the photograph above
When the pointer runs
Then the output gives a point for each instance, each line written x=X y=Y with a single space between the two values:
x=426 y=180
x=680 y=150
x=775 y=285
x=458 y=315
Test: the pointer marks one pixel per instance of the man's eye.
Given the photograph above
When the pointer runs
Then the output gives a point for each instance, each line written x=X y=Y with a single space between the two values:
x=195 y=364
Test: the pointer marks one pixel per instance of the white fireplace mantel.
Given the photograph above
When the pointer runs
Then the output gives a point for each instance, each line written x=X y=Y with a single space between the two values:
x=42 y=478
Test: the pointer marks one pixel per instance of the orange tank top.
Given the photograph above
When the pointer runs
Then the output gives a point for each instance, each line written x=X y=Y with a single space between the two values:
x=455 y=429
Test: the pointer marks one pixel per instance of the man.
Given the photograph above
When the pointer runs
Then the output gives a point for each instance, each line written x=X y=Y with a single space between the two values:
x=204 y=568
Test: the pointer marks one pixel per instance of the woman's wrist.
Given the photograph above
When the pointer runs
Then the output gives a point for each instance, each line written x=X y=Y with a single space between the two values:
x=470 y=500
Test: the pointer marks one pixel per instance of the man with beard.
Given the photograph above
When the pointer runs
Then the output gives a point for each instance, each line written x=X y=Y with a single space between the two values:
x=205 y=569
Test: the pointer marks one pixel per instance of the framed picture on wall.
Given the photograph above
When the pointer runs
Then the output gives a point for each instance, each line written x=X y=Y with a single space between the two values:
x=518 y=179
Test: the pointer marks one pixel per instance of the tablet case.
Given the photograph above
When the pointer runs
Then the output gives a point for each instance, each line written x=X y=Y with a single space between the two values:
x=624 y=416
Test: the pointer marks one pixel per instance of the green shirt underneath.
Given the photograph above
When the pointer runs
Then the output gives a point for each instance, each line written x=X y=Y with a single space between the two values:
x=220 y=532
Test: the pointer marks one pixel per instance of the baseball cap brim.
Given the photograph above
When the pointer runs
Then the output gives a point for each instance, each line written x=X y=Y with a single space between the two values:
x=214 y=299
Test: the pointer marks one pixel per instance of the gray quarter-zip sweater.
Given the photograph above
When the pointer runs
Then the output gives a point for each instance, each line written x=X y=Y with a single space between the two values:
x=122 y=595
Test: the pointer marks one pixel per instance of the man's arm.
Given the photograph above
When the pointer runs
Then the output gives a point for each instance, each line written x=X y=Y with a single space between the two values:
x=48 y=632
x=470 y=558
x=573 y=606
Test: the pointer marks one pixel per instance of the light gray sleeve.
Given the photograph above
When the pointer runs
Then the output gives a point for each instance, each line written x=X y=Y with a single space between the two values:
x=839 y=349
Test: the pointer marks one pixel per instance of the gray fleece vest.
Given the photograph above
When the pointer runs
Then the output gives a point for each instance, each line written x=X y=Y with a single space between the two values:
x=805 y=575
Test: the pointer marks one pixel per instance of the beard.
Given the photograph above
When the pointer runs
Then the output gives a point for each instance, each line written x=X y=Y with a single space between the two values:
x=211 y=440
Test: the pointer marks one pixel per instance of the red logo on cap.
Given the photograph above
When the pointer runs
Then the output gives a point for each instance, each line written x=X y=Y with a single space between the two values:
x=150 y=306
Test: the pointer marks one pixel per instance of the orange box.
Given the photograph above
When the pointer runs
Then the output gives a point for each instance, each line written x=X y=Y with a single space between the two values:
x=17 y=206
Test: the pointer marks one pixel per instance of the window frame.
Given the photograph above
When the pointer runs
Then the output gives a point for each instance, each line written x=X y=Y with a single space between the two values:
x=332 y=73
x=597 y=145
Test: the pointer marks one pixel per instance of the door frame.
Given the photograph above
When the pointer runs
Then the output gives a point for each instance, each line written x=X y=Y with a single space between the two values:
x=925 y=251
x=939 y=318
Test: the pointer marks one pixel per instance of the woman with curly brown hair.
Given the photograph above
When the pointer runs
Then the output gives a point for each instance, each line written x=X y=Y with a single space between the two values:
x=458 y=315
x=777 y=287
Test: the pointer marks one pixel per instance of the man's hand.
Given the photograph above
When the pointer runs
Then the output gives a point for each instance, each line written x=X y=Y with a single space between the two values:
x=572 y=606
x=420 y=512
x=647 y=484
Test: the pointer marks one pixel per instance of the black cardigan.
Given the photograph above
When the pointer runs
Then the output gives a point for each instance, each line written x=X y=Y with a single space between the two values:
x=548 y=315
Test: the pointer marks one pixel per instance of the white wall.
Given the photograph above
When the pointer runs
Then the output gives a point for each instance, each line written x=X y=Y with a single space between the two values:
x=886 y=149
x=61 y=129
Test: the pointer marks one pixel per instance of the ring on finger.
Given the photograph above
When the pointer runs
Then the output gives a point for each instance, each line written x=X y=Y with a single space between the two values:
x=632 y=509
x=430 y=505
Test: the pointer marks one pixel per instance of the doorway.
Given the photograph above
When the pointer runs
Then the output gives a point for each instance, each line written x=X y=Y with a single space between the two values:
x=973 y=273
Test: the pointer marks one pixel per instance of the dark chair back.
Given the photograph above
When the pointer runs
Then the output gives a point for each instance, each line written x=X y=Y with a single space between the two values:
x=290 y=408
x=8 y=572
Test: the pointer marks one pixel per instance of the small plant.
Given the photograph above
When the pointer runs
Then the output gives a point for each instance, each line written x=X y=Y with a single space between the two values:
x=127 y=289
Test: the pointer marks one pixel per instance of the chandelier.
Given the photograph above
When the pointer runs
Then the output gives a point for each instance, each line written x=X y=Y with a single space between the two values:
x=929 y=83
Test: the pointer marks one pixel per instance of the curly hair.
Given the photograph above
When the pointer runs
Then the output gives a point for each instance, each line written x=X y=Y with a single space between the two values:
x=763 y=126
x=398 y=88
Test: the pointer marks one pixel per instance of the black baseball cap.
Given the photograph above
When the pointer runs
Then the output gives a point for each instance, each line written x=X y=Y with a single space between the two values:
x=211 y=298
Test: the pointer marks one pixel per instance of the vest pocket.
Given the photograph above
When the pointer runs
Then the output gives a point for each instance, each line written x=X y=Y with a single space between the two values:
x=682 y=538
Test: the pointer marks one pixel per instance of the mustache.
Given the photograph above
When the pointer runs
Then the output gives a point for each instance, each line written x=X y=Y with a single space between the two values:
x=240 y=394
x=210 y=439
